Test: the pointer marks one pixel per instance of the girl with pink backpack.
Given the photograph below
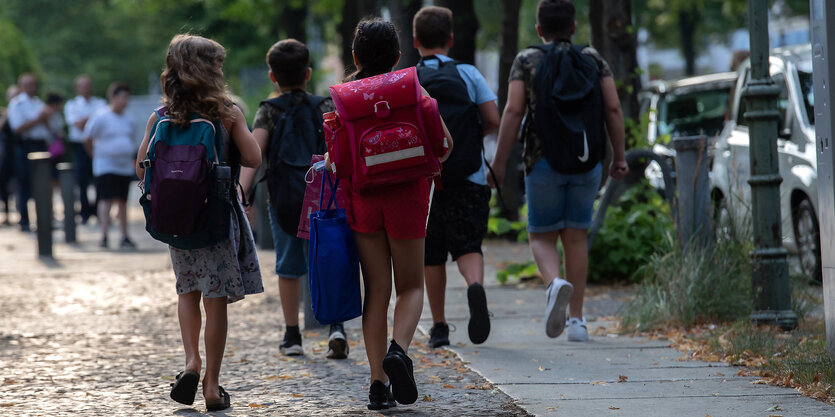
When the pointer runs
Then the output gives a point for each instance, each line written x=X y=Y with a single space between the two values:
x=389 y=164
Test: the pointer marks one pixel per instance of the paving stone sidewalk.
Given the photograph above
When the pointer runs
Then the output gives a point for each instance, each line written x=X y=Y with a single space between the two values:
x=95 y=333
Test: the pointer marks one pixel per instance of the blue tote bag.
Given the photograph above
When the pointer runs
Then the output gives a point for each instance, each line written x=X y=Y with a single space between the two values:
x=334 y=264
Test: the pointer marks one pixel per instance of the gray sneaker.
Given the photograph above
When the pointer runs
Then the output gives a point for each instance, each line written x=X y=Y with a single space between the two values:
x=337 y=342
x=557 y=297
x=576 y=330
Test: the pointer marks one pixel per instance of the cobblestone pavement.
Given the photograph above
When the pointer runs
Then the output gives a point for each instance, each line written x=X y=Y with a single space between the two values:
x=104 y=340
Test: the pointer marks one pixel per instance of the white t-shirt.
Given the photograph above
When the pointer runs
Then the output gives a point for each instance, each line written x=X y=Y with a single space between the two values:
x=79 y=108
x=24 y=108
x=113 y=145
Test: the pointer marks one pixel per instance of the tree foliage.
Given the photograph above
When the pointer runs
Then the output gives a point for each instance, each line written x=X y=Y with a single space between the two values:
x=16 y=57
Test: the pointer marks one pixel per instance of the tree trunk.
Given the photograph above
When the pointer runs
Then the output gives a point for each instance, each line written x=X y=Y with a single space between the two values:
x=352 y=12
x=508 y=45
x=294 y=22
x=687 y=28
x=402 y=12
x=465 y=27
x=613 y=35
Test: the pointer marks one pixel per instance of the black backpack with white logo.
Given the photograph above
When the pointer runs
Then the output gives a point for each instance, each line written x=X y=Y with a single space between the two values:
x=461 y=115
x=297 y=136
x=569 y=112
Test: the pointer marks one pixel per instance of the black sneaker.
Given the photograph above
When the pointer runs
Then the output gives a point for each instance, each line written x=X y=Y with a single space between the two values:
x=292 y=344
x=439 y=335
x=337 y=342
x=103 y=243
x=398 y=367
x=127 y=243
x=380 y=396
x=479 y=327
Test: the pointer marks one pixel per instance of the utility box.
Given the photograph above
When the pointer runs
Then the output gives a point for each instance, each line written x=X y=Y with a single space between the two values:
x=823 y=67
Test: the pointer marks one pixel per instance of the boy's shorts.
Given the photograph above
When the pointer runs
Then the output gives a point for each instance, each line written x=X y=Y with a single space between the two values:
x=290 y=251
x=557 y=201
x=457 y=222
x=400 y=210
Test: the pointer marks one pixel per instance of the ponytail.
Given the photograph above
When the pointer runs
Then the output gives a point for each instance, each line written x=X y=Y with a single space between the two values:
x=376 y=46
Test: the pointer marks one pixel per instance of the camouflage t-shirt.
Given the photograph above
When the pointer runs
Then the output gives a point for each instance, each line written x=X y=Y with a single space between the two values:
x=267 y=114
x=524 y=69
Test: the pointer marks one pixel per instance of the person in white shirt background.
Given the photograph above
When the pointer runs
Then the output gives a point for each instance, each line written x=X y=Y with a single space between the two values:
x=109 y=136
x=77 y=112
x=36 y=124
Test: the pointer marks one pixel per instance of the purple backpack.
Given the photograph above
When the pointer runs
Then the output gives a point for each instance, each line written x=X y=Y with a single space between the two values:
x=188 y=188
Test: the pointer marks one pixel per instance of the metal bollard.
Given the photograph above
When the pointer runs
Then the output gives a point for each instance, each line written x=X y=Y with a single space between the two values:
x=694 y=222
x=42 y=192
x=263 y=232
x=310 y=322
x=66 y=177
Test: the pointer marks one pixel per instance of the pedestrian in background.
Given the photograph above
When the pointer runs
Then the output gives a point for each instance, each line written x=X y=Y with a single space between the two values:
x=8 y=142
x=34 y=123
x=192 y=84
x=109 y=137
x=77 y=112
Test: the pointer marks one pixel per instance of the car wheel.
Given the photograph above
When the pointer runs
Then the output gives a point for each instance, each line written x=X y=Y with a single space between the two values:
x=807 y=237
x=723 y=230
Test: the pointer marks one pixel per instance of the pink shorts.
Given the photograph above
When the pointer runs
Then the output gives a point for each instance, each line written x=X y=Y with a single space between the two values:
x=399 y=210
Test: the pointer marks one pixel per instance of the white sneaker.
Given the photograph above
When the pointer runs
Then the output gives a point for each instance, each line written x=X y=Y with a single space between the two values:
x=577 y=330
x=557 y=297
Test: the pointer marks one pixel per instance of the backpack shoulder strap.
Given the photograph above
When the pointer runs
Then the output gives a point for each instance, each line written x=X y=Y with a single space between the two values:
x=422 y=63
x=315 y=101
x=282 y=102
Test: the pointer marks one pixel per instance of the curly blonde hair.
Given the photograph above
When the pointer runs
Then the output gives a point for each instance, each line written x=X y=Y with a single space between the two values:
x=192 y=81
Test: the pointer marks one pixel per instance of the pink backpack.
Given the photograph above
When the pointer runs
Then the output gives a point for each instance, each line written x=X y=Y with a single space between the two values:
x=384 y=131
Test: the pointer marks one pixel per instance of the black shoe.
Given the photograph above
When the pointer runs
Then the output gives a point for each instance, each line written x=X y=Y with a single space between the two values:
x=103 y=243
x=184 y=387
x=337 y=342
x=399 y=369
x=127 y=243
x=380 y=396
x=479 y=327
x=439 y=335
x=292 y=344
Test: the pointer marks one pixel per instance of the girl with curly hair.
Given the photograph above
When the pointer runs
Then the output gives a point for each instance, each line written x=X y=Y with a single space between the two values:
x=192 y=85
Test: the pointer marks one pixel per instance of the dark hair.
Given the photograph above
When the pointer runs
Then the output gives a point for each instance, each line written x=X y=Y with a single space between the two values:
x=376 y=46
x=289 y=60
x=192 y=81
x=117 y=87
x=555 y=19
x=432 y=26
x=54 y=98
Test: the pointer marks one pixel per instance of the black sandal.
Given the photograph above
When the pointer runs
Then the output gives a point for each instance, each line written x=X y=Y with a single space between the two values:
x=184 y=388
x=220 y=404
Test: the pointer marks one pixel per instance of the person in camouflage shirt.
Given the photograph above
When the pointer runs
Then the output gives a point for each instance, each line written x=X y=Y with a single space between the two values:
x=560 y=205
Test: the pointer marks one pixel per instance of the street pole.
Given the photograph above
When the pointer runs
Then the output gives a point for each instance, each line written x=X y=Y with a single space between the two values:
x=823 y=40
x=769 y=267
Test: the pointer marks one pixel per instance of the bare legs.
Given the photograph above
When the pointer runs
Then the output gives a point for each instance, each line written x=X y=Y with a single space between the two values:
x=121 y=214
x=289 y=291
x=188 y=311
x=470 y=265
x=546 y=256
x=378 y=254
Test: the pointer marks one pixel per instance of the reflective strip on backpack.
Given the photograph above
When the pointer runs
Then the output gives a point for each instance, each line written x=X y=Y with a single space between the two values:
x=394 y=156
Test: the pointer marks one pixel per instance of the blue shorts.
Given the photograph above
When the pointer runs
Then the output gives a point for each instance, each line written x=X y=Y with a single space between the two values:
x=290 y=251
x=558 y=201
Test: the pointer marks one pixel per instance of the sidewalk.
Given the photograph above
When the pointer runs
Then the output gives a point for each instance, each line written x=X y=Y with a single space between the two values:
x=610 y=375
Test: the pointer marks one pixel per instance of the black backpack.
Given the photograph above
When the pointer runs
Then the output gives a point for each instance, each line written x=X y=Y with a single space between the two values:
x=461 y=115
x=569 y=109
x=297 y=136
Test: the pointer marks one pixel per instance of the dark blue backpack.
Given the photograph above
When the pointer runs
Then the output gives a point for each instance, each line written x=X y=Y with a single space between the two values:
x=297 y=136
x=569 y=109
x=187 y=197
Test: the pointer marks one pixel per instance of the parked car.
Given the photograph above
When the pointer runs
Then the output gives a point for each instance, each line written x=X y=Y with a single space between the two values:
x=791 y=70
x=687 y=107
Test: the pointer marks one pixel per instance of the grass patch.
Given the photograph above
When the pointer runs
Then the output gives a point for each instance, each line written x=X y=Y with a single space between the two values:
x=687 y=288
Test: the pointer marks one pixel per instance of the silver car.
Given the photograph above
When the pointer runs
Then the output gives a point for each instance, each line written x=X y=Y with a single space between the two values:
x=791 y=70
